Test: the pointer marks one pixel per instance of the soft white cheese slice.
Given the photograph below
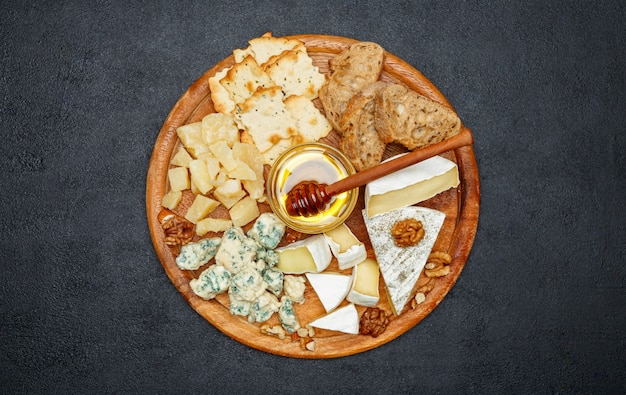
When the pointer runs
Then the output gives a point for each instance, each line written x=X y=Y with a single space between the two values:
x=345 y=247
x=364 y=284
x=310 y=255
x=401 y=267
x=331 y=288
x=344 y=319
x=410 y=185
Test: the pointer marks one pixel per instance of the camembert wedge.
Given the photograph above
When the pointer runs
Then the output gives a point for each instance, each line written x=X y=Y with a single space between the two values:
x=410 y=185
x=331 y=288
x=345 y=246
x=344 y=319
x=401 y=266
x=311 y=255
x=364 y=284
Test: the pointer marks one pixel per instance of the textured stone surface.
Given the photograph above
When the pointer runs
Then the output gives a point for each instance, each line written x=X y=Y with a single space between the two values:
x=86 y=306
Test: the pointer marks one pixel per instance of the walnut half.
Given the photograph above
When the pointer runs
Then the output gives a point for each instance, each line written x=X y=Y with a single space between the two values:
x=178 y=231
x=373 y=322
x=407 y=232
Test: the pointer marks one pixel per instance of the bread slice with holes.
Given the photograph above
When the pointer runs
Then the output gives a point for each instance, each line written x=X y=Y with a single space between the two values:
x=360 y=141
x=406 y=117
x=350 y=71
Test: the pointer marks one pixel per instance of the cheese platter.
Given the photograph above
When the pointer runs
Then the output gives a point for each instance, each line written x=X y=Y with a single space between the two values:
x=196 y=224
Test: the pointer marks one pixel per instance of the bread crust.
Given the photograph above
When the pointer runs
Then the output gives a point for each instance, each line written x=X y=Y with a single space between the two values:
x=415 y=121
x=350 y=71
x=360 y=141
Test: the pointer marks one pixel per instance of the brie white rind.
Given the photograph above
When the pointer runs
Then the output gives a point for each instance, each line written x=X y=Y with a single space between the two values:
x=344 y=319
x=364 y=284
x=345 y=247
x=410 y=185
x=331 y=288
x=401 y=267
x=310 y=255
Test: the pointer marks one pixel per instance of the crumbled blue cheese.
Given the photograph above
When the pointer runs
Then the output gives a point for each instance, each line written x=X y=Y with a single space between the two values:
x=267 y=230
x=263 y=307
x=274 y=279
x=247 y=285
x=287 y=316
x=237 y=306
x=236 y=251
x=294 y=286
x=270 y=257
x=195 y=254
x=214 y=280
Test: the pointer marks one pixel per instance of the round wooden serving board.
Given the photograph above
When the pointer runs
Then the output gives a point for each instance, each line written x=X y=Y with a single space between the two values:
x=461 y=206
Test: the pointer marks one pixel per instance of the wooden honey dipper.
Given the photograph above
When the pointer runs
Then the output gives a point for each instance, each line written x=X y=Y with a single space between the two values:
x=308 y=198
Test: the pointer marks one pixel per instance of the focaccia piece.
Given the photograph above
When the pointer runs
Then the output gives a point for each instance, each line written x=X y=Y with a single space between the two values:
x=350 y=71
x=266 y=118
x=295 y=72
x=311 y=124
x=360 y=140
x=413 y=120
x=244 y=78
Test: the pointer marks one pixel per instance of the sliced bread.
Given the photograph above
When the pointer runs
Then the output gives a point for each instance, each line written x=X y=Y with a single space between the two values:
x=415 y=121
x=350 y=71
x=360 y=141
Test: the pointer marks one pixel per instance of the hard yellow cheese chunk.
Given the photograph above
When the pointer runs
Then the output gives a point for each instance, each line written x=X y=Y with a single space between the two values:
x=410 y=185
x=364 y=290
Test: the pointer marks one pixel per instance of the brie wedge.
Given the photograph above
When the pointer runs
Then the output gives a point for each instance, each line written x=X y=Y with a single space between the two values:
x=331 y=288
x=364 y=287
x=310 y=255
x=410 y=185
x=344 y=319
x=401 y=267
x=345 y=247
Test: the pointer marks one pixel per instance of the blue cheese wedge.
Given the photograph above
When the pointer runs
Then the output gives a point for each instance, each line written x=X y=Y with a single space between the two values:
x=214 y=280
x=195 y=254
x=310 y=255
x=344 y=319
x=364 y=284
x=331 y=288
x=401 y=266
x=345 y=247
x=267 y=230
x=410 y=185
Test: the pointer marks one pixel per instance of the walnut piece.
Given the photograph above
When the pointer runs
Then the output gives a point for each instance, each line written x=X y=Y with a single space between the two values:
x=437 y=264
x=178 y=231
x=407 y=232
x=373 y=322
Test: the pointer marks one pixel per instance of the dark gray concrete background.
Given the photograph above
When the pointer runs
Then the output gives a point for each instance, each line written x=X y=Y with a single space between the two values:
x=86 y=306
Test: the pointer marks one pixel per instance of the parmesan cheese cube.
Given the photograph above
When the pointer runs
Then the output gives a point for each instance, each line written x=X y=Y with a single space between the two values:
x=200 y=208
x=244 y=211
x=200 y=176
x=178 y=178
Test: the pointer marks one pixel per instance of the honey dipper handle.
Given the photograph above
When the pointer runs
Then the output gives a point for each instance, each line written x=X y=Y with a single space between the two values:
x=363 y=177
